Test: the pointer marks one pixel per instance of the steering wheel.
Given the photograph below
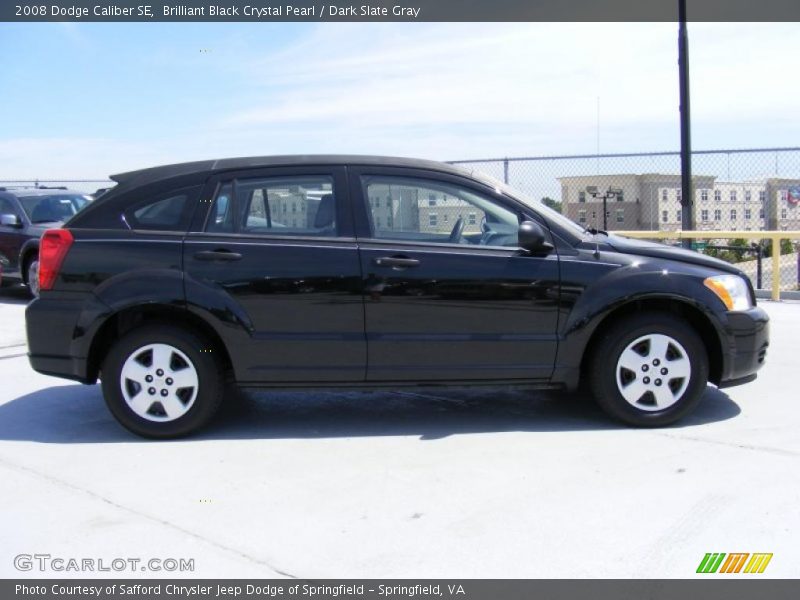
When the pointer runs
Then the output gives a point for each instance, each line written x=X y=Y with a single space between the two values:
x=458 y=229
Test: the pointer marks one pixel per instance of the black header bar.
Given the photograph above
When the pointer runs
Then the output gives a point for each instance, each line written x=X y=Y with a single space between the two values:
x=396 y=10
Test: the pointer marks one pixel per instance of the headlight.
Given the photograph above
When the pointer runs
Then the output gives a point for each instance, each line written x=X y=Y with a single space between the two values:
x=731 y=289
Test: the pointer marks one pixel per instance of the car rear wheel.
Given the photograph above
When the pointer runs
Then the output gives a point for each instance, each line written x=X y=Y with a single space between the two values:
x=162 y=381
x=649 y=370
x=33 y=277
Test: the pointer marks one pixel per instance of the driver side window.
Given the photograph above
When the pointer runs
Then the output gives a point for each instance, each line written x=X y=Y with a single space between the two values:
x=429 y=211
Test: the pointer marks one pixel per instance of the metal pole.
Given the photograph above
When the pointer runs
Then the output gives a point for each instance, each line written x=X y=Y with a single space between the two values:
x=687 y=199
x=505 y=171
x=605 y=212
x=759 y=266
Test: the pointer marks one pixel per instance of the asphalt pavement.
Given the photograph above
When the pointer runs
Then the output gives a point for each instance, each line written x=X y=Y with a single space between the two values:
x=451 y=483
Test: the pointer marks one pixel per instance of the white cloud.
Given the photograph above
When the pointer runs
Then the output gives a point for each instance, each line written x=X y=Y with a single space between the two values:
x=526 y=74
x=450 y=91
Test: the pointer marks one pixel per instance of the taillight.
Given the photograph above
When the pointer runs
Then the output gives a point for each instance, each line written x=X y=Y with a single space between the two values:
x=52 y=250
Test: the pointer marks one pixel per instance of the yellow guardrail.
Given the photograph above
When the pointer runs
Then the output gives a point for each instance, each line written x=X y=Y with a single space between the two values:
x=774 y=236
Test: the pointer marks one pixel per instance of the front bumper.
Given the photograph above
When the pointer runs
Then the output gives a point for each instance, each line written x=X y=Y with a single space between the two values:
x=745 y=340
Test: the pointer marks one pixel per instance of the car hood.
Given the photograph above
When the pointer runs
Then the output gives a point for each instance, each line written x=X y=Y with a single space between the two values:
x=655 y=250
x=37 y=229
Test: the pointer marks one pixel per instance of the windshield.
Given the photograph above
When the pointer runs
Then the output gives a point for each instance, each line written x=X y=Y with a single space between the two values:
x=542 y=208
x=52 y=208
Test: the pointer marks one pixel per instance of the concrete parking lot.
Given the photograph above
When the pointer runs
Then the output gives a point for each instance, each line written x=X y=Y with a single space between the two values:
x=463 y=484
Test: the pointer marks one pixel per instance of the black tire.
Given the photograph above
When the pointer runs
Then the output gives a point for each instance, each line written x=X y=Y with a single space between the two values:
x=603 y=370
x=210 y=376
x=32 y=276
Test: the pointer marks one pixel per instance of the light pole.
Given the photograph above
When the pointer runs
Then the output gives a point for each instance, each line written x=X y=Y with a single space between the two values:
x=609 y=193
x=687 y=197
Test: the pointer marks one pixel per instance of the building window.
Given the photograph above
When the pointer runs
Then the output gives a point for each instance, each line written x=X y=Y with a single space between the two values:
x=594 y=215
x=472 y=218
x=433 y=220
x=747 y=214
x=621 y=197
x=620 y=215
x=664 y=194
x=733 y=214
x=732 y=195
x=783 y=213
x=388 y=202
x=704 y=215
x=784 y=195
x=762 y=195
x=717 y=195
x=747 y=196
x=761 y=214
x=431 y=200
x=678 y=215
x=581 y=216
x=678 y=195
x=581 y=196
x=703 y=195
x=377 y=222
x=717 y=214
x=664 y=217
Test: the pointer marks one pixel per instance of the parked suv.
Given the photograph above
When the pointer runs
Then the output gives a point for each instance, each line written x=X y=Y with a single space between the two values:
x=342 y=271
x=25 y=214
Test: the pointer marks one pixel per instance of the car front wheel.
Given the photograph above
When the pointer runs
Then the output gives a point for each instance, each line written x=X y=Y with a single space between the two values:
x=162 y=381
x=649 y=370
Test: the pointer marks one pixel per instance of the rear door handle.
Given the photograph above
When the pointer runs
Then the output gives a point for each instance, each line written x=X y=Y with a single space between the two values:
x=226 y=255
x=396 y=262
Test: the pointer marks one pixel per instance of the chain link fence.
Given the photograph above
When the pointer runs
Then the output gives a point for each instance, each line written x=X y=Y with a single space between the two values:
x=734 y=190
x=84 y=186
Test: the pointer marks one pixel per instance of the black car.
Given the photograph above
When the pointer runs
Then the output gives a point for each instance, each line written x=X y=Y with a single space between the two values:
x=348 y=271
x=25 y=214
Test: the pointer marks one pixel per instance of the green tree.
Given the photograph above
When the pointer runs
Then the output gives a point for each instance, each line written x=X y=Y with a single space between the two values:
x=787 y=247
x=554 y=204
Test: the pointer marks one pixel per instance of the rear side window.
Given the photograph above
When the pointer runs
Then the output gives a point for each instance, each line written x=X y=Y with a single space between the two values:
x=299 y=205
x=168 y=212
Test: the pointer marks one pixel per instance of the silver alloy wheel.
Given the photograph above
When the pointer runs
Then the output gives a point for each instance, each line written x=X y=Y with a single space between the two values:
x=159 y=382
x=653 y=372
x=33 y=277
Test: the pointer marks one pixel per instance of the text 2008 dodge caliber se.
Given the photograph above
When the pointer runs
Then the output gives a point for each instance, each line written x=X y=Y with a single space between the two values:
x=351 y=271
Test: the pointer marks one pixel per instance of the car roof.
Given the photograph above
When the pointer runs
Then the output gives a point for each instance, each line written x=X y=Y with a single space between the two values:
x=154 y=174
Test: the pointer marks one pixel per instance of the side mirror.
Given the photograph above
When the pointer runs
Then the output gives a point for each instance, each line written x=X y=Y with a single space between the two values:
x=531 y=237
x=10 y=221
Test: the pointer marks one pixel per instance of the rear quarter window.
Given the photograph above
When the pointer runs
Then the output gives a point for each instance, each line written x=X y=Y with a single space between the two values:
x=166 y=212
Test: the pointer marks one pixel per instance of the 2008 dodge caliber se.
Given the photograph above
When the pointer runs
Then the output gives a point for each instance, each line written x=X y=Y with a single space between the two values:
x=324 y=271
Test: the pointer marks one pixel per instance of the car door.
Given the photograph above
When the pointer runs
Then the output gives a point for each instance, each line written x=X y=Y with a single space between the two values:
x=276 y=249
x=11 y=236
x=448 y=294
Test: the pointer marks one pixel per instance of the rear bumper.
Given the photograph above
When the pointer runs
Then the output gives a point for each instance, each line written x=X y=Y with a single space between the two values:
x=745 y=343
x=58 y=343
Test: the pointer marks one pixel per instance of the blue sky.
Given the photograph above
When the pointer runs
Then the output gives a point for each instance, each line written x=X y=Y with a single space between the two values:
x=86 y=100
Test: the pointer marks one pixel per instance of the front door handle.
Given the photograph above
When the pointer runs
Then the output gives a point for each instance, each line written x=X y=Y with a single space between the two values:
x=221 y=254
x=396 y=262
